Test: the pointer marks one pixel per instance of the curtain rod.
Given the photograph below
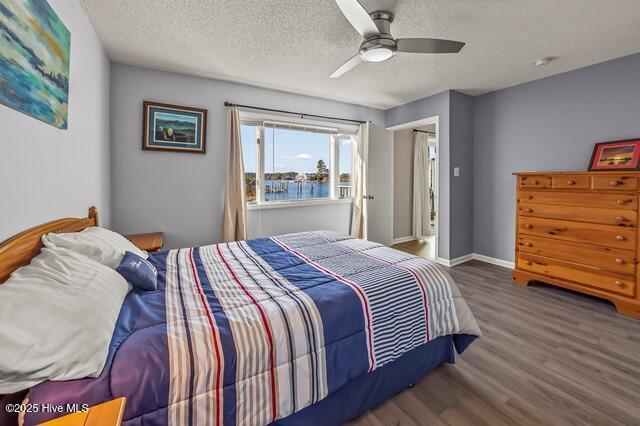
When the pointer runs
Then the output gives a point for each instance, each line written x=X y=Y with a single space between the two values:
x=424 y=131
x=301 y=114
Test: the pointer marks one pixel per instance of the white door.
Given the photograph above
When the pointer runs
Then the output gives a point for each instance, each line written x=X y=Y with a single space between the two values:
x=379 y=189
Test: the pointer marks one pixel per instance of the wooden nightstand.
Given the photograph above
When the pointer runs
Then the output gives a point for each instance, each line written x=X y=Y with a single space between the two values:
x=106 y=414
x=151 y=241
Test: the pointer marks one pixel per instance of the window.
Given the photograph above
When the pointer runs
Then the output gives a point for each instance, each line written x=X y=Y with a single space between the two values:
x=345 y=165
x=296 y=164
x=296 y=161
x=248 y=138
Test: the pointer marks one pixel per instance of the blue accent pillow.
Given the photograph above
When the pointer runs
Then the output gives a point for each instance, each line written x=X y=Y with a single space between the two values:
x=140 y=273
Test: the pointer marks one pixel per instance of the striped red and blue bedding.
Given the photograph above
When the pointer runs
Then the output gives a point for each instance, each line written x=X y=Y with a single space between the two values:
x=254 y=331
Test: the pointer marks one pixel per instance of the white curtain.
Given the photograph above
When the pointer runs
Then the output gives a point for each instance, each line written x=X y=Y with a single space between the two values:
x=359 y=182
x=421 y=186
x=234 y=222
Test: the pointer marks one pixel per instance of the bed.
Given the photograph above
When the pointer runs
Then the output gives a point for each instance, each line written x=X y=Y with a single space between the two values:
x=313 y=327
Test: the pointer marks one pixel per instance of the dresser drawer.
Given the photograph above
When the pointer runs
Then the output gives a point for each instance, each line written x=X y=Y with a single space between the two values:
x=581 y=214
x=614 y=183
x=611 y=201
x=592 y=277
x=602 y=235
x=622 y=261
x=571 y=182
x=535 y=182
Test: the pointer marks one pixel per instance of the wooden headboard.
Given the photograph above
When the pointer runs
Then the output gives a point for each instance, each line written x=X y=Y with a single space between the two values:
x=18 y=250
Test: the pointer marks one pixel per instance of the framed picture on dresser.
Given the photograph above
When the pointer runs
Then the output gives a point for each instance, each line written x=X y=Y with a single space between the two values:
x=616 y=155
x=167 y=127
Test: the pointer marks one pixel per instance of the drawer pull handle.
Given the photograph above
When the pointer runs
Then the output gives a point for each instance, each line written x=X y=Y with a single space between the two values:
x=527 y=262
x=619 y=260
x=619 y=284
x=571 y=182
x=619 y=218
x=528 y=226
x=528 y=244
x=529 y=197
x=621 y=202
x=528 y=210
x=613 y=182
x=535 y=182
x=620 y=237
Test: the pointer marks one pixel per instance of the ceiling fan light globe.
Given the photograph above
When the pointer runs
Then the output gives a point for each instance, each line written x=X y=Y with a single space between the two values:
x=377 y=54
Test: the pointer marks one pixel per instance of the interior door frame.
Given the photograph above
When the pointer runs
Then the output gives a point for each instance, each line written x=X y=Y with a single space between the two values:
x=418 y=123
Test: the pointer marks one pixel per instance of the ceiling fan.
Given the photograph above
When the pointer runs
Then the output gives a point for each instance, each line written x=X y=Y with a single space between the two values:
x=379 y=45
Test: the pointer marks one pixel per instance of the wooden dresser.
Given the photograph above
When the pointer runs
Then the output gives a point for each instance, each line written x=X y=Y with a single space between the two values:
x=579 y=230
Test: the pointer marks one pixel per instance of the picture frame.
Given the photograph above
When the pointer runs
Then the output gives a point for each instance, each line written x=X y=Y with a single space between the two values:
x=622 y=155
x=35 y=54
x=173 y=128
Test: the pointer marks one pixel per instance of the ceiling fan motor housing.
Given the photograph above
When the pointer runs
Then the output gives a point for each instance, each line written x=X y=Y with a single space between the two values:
x=383 y=20
x=381 y=46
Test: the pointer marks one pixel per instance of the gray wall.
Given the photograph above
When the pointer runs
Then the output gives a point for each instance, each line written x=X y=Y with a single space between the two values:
x=461 y=187
x=48 y=173
x=182 y=194
x=548 y=124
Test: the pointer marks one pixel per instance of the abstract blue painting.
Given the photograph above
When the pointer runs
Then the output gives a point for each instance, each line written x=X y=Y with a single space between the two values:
x=34 y=60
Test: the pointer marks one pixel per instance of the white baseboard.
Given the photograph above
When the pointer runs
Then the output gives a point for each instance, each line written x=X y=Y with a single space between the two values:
x=475 y=256
x=494 y=261
x=442 y=261
x=404 y=239
x=456 y=261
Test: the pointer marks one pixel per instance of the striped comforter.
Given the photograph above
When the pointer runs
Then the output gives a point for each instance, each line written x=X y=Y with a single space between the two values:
x=253 y=331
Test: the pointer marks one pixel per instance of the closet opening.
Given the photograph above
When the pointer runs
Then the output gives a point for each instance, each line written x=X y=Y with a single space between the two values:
x=415 y=188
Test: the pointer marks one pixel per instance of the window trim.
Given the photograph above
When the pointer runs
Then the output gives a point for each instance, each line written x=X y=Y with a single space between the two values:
x=298 y=203
x=255 y=118
x=339 y=130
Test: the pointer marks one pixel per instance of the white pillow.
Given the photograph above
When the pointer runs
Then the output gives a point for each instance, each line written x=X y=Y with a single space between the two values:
x=99 y=244
x=57 y=316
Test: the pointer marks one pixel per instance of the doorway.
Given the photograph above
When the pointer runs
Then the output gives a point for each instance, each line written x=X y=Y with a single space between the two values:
x=415 y=187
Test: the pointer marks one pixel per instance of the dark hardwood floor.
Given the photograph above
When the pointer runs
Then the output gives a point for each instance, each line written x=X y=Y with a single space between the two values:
x=547 y=356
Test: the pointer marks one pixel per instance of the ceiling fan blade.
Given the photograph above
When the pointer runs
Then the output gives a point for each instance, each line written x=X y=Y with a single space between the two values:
x=428 y=45
x=358 y=17
x=347 y=66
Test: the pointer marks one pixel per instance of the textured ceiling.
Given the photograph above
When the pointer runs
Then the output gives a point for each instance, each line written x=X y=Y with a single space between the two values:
x=294 y=45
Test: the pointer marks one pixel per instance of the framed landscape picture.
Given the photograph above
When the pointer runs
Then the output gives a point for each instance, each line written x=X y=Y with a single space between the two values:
x=616 y=155
x=173 y=128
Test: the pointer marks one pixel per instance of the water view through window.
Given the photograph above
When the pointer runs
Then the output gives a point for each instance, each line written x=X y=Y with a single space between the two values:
x=297 y=164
